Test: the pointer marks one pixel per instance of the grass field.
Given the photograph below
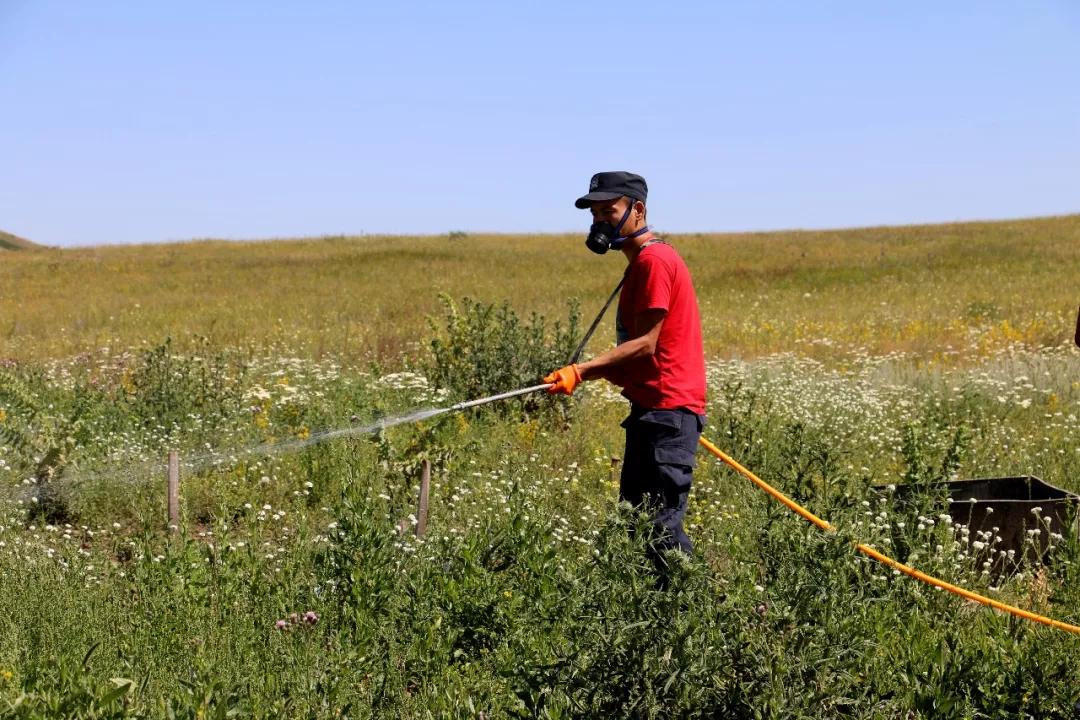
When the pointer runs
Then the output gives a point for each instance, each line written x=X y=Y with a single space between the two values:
x=931 y=291
x=839 y=364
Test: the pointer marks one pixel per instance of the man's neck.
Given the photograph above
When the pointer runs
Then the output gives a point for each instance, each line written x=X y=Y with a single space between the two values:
x=633 y=246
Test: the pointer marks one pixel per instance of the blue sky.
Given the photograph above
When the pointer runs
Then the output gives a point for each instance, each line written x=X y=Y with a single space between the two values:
x=141 y=122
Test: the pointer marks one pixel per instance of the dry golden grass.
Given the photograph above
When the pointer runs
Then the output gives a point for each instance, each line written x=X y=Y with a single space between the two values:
x=936 y=291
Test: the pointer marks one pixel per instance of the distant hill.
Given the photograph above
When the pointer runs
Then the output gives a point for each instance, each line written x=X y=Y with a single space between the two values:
x=14 y=242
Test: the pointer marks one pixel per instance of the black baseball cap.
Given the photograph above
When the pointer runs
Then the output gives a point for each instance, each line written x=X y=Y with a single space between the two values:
x=611 y=185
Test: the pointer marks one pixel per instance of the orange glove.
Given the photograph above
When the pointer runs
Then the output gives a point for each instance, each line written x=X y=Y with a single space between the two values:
x=564 y=380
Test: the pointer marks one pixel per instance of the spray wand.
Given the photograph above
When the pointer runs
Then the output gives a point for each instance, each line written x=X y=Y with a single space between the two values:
x=501 y=396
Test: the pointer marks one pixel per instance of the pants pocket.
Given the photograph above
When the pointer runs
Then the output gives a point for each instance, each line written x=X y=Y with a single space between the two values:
x=675 y=466
x=674 y=455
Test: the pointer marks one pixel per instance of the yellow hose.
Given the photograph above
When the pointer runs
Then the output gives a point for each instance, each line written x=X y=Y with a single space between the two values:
x=882 y=558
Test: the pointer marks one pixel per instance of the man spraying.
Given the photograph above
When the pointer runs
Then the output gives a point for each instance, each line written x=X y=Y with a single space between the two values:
x=659 y=361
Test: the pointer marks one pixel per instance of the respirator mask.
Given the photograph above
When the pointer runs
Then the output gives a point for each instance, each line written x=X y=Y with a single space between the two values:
x=604 y=236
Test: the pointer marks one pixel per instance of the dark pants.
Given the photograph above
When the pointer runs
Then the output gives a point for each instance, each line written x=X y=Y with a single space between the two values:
x=658 y=468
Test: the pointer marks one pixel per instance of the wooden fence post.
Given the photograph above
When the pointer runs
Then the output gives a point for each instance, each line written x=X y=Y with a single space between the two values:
x=613 y=474
x=174 y=492
x=422 y=504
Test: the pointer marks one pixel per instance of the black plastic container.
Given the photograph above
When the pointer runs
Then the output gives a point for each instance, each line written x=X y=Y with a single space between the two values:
x=1013 y=505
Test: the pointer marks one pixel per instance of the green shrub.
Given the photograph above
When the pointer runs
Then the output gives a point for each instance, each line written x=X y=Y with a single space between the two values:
x=44 y=437
x=484 y=349
x=166 y=388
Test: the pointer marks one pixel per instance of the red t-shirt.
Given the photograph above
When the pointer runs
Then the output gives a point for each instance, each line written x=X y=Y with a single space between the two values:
x=674 y=377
